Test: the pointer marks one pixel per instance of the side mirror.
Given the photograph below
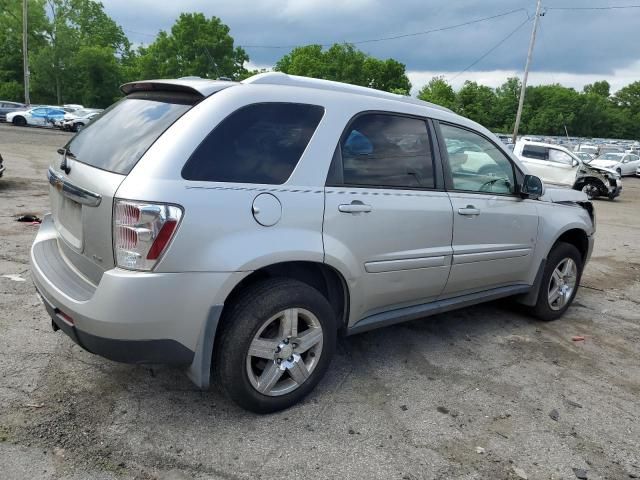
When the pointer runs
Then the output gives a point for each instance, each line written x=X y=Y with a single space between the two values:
x=532 y=187
x=575 y=162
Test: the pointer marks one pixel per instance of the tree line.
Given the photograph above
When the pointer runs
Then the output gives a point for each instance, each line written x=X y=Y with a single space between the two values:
x=78 y=54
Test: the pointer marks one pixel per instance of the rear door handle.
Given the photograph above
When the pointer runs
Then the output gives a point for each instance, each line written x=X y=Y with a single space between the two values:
x=469 y=210
x=354 y=207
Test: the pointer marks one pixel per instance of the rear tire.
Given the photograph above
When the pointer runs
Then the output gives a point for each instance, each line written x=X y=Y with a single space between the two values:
x=254 y=340
x=19 y=121
x=560 y=281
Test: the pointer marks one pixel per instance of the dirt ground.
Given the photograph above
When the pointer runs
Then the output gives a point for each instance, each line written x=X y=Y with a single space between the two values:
x=481 y=393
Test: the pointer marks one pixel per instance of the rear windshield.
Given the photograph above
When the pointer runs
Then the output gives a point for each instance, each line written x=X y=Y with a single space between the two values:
x=117 y=138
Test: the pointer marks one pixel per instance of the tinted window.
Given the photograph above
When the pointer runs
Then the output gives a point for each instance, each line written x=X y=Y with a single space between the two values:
x=559 y=156
x=476 y=164
x=259 y=143
x=533 y=151
x=383 y=150
x=117 y=139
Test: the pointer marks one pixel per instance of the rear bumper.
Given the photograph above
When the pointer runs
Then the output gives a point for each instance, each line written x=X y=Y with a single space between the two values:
x=133 y=317
x=162 y=351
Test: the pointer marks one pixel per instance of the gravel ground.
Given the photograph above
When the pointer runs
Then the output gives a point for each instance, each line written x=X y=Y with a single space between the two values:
x=481 y=393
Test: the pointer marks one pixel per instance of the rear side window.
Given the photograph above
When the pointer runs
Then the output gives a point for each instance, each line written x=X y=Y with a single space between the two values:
x=118 y=138
x=259 y=143
x=385 y=150
x=535 y=152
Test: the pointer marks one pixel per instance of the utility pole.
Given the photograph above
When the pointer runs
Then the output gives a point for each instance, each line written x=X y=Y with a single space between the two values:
x=526 y=70
x=25 y=52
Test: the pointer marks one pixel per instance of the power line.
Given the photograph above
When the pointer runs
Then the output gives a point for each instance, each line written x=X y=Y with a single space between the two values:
x=612 y=7
x=404 y=35
x=491 y=50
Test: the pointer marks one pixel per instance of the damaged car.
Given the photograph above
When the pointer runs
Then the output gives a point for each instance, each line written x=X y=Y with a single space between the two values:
x=557 y=165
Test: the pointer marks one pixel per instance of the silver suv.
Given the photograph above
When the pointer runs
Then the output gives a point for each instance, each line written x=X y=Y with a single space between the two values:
x=238 y=228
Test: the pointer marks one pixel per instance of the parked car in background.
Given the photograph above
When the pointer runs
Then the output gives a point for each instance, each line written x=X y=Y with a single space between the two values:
x=586 y=148
x=8 y=107
x=603 y=149
x=77 y=120
x=39 y=116
x=267 y=217
x=558 y=165
x=584 y=156
x=71 y=107
x=623 y=163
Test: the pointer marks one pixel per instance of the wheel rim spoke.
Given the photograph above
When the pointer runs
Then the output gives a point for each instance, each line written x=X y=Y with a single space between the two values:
x=263 y=348
x=554 y=294
x=298 y=371
x=289 y=323
x=308 y=339
x=269 y=377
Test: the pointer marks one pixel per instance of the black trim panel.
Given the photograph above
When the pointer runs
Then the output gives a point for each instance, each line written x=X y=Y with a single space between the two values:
x=406 y=314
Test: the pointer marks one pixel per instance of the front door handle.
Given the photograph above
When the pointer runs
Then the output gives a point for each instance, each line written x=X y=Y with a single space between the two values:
x=354 y=207
x=469 y=210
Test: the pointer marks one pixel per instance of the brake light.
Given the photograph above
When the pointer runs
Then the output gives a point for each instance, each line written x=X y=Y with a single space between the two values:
x=142 y=231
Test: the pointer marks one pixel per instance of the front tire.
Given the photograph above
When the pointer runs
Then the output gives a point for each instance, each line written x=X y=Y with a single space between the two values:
x=591 y=189
x=19 y=121
x=560 y=282
x=276 y=343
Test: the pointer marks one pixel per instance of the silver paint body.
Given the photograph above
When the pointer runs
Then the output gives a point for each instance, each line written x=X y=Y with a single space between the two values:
x=412 y=247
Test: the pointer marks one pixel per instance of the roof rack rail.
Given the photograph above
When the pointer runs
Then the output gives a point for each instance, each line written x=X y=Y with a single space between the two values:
x=279 y=78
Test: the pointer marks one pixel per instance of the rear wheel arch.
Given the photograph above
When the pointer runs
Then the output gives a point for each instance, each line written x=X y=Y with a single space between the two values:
x=327 y=280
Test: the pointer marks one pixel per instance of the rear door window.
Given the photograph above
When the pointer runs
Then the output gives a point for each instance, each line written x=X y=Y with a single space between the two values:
x=259 y=143
x=535 y=152
x=385 y=151
x=124 y=132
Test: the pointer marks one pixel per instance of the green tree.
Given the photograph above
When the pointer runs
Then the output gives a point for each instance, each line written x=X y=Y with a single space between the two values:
x=11 y=67
x=602 y=89
x=75 y=26
x=196 y=45
x=551 y=108
x=345 y=63
x=438 y=91
x=506 y=106
x=476 y=102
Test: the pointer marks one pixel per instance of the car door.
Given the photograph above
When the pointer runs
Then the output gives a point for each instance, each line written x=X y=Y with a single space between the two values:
x=536 y=159
x=36 y=116
x=494 y=229
x=564 y=167
x=630 y=164
x=388 y=220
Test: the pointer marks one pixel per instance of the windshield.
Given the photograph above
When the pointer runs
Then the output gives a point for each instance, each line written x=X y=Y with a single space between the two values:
x=118 y=138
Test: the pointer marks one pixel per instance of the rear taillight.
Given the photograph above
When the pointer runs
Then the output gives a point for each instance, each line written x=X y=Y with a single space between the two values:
x=142 y=231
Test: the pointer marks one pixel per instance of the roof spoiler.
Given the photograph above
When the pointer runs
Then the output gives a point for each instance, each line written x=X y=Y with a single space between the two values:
x=196 y=86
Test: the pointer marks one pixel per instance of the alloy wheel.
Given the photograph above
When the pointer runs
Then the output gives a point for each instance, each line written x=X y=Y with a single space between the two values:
x=562 y=284
x=284 y=352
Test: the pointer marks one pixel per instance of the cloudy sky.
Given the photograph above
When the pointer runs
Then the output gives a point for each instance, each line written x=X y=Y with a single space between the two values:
x=574 y=47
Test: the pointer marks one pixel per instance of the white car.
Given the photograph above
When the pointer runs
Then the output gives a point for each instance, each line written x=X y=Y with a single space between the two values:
x=40 y=116
x=623 y=163
x=558 y=165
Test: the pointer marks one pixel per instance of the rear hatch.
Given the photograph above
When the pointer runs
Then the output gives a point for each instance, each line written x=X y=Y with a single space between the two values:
x=87 y=172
